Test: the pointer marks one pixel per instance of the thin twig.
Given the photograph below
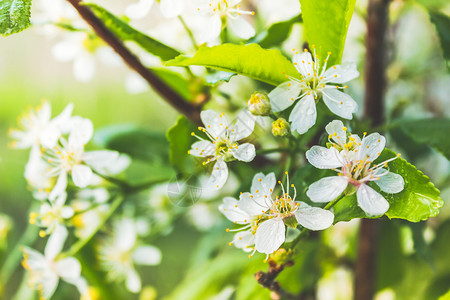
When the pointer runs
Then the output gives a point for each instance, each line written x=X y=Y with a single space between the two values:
x=190 y=110
x=268 y=280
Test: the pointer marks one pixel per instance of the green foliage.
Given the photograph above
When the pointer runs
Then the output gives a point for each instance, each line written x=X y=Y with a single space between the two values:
x=276 y=34
x=418 y=201
x=433 y=132
x=175 y=81
x=442 y=23
x=180 y=140
x=326 y=24
x=127 y=33
x=14 y=16
x=268 y=66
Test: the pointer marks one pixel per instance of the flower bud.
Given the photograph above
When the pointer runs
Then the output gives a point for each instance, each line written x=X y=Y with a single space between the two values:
x=280 y=127
x=259 y=104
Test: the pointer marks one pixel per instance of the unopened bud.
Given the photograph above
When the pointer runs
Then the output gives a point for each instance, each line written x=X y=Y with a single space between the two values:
x=259 y=104
x=280 y=127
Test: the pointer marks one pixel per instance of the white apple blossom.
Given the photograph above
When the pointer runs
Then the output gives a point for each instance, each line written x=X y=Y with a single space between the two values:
x=51 y=215
x=121 y=252
x=352 y=158
x=224 y=145
x=266 y=217
x=45 y=270
x=316 y=81
x=214 y=12
x=39 y=129
x=169 y=8
x=69 y=157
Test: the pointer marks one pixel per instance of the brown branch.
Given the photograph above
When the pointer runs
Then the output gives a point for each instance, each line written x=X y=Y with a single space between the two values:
x=377 y=23
x=268 y=280
x=191 y=111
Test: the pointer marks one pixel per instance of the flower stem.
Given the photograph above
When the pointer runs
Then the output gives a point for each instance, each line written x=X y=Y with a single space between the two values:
x=82 y=242
x=189 y=32
x=332 y=203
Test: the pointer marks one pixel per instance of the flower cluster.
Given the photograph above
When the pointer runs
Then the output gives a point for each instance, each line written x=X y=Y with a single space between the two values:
x=59 y=166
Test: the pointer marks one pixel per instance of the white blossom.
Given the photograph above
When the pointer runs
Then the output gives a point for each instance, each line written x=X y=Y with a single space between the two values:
x=45 y=270
x=213 y=12
x=224 y=145
x=169 y=8
x=39 y=129
x=121 y=252
x=315 y=81
x=352 y=158
x=265 y=217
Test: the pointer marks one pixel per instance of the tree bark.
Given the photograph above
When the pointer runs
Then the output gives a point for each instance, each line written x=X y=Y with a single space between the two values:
x=377 y=23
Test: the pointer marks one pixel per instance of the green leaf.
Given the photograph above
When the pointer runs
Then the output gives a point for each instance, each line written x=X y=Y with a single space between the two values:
x=127 y=33
x=180 y=140
x=137 y=142
x=326 y=24
x=175 y=81
x=418 y=201
x=14 y=16
x=218 y=76
x=442 y=23
x=268 y=66
x=433 y=132
x=276 y=34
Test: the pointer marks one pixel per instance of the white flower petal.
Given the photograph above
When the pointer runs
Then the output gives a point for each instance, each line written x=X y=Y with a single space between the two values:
x=270 y=235
x=99 y=160
x=263 y=184
x=344 y=73
x=391 y=183
x=304 y=64
x=147 y=255
x=65 y=50
x=67 y=212
x=244 y=240
x=341 y=104
x=81 y=132
x=245 y=152
x=314 y=218
x=233 y=213
x=84 y=68
x=304 y=114
x=171 y=8
x=60 y=186
x=214 y=123
x=251 y=205
x=202 y=149
x=211 y=29
x=49 y=136
x=133 y=281
x=62 y=121
x=241 y=28
x=55 y=242
x=138 y=10
x=327 y=189
x=81 y=175
x=370 y=201
x=49 y=285
x=243 y=126
x=324 y=158
x=337 y=132
x=219 y=175
x=68 y=268
x=125 y=234
x=372 y=146
x=284 y=95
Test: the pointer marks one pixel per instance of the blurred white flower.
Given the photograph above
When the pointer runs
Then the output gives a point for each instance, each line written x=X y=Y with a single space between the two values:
x=213 y=12
x=83 y=49
x=169 y=8
x=121 y=252
x=39 y=129
x=277 y=11
x=315 y=81
x=45 y=271
x=202 y=216
x=353 y=161
x=52 y=215
x=223 y=146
